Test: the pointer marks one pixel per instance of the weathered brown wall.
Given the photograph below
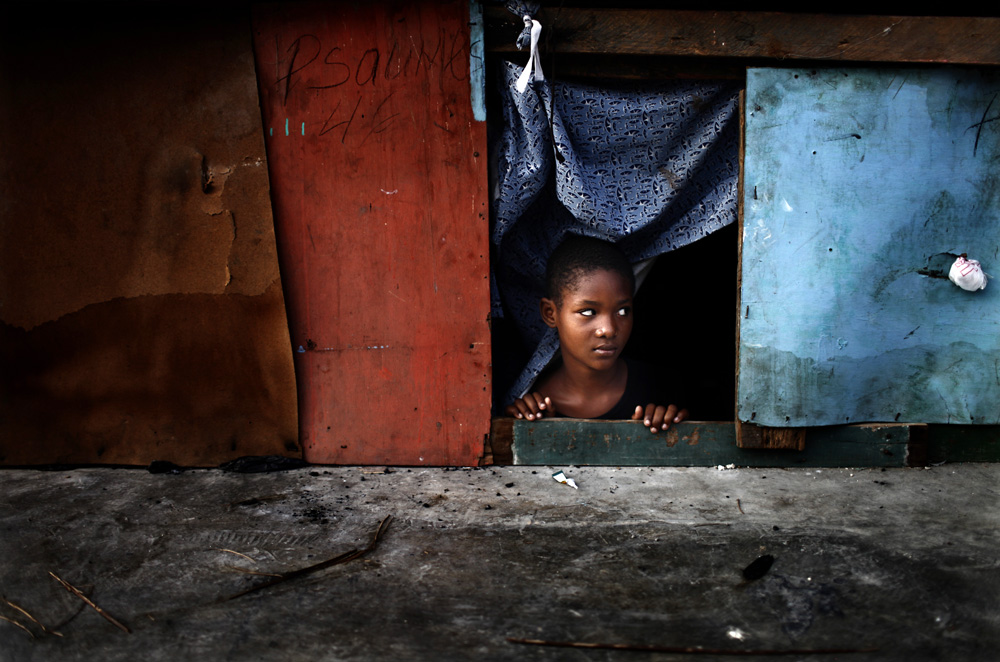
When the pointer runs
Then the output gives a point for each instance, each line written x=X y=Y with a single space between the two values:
x=141 y=311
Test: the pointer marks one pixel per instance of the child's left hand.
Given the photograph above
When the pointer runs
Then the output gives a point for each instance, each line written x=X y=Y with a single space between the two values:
x=532 y=406
x=658 y=417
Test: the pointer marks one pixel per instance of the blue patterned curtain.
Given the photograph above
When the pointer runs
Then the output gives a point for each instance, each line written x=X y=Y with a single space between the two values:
x=652 y=167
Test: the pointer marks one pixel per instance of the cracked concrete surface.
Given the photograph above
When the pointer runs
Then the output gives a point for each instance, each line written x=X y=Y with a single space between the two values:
x=900 y=560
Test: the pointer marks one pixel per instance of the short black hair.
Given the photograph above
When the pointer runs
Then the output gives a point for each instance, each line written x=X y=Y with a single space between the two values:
x=578 y=256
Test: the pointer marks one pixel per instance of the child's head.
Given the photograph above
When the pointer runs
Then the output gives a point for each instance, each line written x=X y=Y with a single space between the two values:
x=590 y=285
x=578 y=256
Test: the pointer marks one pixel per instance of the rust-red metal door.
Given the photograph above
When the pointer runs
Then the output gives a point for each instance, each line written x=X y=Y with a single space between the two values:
x=378 y=177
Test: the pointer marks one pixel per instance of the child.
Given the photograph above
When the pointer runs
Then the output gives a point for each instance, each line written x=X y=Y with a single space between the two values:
x=590 y=285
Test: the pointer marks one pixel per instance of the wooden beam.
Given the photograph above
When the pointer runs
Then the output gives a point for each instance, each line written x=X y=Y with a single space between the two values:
x=644 y=67
x=963 y=443
x=832 y=446
x=501 y=441
x=749 y=435
x=828 y=38
x=567 y=441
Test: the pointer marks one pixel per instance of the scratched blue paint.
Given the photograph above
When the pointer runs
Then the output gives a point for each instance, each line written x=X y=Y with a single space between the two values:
x=271 y=131
x=303 y=128
x=286 y=126
x=477 y=76
x=855 y=182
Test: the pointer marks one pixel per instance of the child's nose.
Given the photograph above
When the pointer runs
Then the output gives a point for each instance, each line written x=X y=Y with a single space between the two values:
x=608 y=328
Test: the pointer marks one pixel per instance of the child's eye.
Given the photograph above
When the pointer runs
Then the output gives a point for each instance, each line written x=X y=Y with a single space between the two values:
x=587 y=312
x=624 y=311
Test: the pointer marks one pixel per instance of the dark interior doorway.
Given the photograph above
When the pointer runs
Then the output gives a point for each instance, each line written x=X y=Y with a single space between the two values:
x=686 y=322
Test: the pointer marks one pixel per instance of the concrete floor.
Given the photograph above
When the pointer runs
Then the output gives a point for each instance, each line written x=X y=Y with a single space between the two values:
x=902 y=560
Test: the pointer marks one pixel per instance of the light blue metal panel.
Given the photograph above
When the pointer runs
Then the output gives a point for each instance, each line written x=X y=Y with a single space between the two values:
x=857 y=184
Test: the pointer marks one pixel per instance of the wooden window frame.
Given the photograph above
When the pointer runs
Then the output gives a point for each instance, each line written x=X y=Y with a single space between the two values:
x=645 y=43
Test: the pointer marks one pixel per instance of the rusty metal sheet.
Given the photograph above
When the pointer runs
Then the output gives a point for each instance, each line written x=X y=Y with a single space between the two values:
x=378 y=175
x=141 y=311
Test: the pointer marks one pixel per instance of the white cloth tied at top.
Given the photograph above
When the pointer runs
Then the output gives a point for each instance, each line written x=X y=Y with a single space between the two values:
x=534 y=60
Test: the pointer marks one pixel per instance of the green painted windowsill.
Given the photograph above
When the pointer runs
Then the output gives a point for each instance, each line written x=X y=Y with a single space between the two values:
x=713 y=443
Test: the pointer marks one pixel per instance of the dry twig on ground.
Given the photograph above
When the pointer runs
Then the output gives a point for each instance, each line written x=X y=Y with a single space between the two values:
x=20 y=625
x=31 y=618
x=78 y=593
x=322 y=565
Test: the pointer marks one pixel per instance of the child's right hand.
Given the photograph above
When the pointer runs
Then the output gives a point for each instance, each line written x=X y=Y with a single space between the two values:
x=532 y=407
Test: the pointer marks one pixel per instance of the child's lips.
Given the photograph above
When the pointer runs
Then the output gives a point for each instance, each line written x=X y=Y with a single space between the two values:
x=606 y=350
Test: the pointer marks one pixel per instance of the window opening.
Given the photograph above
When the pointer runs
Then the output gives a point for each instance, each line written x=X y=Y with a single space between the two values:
x=651 y=165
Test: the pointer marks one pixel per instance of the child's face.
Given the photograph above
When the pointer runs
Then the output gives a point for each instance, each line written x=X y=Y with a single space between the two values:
x=595 y=319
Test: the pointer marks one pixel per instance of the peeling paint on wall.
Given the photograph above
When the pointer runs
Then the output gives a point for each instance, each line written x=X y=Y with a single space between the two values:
x=859 y=184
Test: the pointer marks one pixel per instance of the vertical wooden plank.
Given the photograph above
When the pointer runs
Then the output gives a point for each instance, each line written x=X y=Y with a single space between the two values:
x=501 y=441
x=379 y=184
x=739 y=269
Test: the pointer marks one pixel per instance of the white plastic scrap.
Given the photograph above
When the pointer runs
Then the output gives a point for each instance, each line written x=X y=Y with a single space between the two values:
x=534 y=67
x=560 y=477
x=968 y=274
